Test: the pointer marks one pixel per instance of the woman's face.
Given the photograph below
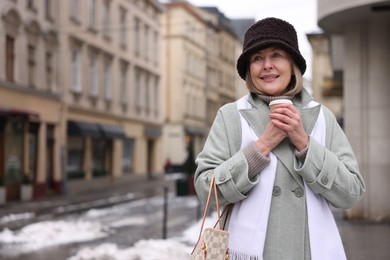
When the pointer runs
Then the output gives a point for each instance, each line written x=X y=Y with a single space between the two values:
x=271 y=70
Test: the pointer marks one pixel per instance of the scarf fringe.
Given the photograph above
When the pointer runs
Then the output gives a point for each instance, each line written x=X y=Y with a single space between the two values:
x=234 y=255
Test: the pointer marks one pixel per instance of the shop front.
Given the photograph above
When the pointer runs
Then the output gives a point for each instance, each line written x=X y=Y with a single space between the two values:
x=18 y=151
x=91 y=149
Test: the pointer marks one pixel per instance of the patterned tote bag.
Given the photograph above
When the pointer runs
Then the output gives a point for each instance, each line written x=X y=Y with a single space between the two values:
x=213 y=242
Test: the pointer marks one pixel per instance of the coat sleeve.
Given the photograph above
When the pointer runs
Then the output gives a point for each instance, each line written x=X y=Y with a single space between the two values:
x=221 y=159
x=333 y=171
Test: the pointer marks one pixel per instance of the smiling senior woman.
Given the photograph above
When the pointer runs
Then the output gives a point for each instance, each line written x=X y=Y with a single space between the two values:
x=280 y=170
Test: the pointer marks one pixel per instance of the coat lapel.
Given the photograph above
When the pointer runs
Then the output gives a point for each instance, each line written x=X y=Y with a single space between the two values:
x=257 y=118
x=285 y=150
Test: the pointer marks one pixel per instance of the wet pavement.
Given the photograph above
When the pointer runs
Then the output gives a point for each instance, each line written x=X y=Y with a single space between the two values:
x=124 y=225
x=82 y=195
x=362 y=239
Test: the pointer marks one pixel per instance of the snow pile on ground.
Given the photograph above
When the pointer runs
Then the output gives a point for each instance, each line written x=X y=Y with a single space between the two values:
x=191 y=234
x=49 y=233
x=15 y=217
x=142 y=250
x=177 y=248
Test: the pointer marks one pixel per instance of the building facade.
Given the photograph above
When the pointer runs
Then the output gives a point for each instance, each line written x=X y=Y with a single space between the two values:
x=80 y=92
x=240 y=26
x=227 y=41
x=199 y=56
x=326 y=83
x=30 y=98
x=109 y=52
x=364 y=27
x=184 y=78
x=94 y=88
x=212 y=66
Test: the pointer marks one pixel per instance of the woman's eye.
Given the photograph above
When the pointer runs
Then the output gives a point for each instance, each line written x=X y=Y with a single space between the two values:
x=257 y=58
x=277 y=54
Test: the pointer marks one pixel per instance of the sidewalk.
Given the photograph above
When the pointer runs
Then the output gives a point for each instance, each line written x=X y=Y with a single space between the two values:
x=362 y=239
x=84 y=194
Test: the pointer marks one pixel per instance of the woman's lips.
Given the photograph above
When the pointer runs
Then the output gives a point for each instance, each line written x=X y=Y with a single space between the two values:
x=269 y=77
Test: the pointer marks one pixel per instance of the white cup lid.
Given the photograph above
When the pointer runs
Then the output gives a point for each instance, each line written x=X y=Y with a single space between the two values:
x=280 y=101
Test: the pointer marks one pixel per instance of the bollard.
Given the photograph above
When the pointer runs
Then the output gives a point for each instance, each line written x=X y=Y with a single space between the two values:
x=165 y=213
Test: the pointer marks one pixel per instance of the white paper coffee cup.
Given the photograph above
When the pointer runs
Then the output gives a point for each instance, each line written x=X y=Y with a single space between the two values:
x=274 y=103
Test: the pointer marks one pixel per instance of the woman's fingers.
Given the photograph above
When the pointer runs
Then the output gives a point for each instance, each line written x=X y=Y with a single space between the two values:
x=288 y=119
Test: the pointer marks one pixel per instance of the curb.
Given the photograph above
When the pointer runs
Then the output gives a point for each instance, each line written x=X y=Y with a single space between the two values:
x=60 y=210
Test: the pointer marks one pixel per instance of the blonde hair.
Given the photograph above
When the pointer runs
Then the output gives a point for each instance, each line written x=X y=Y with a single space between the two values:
x=294 y=87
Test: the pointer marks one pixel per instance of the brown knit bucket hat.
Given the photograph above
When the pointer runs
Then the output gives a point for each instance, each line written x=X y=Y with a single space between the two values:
x=270 y=32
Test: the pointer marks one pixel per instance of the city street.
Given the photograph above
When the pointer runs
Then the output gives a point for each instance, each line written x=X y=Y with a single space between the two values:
x=364 y=239
x=129 y=230
x=121 y=225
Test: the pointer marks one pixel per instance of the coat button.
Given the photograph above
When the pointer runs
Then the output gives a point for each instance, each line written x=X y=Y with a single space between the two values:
x=221 y=178
x=325 y=180
x=298 y=192
x=276 y=191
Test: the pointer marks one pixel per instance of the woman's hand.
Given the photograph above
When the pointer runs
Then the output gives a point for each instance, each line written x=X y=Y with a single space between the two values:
x=270 y=138
x=288 y=119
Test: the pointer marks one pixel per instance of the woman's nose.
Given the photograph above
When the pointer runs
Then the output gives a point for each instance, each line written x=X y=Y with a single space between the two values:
x=267 y=64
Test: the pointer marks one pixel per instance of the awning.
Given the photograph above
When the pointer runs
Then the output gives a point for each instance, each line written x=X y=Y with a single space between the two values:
x=192 y=130
x=31 y=116
x=24 y=115
x=153 y=131
x=78 y=128
x=112 y=132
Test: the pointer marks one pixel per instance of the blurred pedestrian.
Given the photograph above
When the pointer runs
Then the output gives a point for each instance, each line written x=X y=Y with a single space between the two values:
x=280 y=170
x=168 y=166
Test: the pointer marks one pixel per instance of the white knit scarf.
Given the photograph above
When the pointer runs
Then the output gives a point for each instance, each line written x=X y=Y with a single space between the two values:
x=249 y=218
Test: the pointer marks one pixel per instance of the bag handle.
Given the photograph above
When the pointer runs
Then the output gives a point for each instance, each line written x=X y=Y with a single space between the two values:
x=213 y=186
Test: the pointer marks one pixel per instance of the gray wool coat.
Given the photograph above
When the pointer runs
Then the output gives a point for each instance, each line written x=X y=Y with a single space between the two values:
x=331 y=171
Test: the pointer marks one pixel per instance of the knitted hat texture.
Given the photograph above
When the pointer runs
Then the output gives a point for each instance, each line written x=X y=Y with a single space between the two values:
x=270 y=32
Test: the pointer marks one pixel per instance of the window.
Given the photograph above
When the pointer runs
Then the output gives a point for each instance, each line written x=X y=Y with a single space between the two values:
x=92 y=13
x=146 y=41
x=75 y=67
x=93 y=75
x=128 y=154
x=10 y=58
x=187 y=58
x=74 y=9
x=107 y=80
x=50 y=154
x=32 y=137
x=106 y=19
x=48 y=9
x=138 y=90
x=137 y=36
x=156 y=48
x=99 y=152
x=187 y=102
x=12 y=141
x=156 y=97
x=75 y=155
x=123 y=83
x=123 y=29
x=30 y=4
x=49 y=70
x=147 y=93
x=31 y=65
